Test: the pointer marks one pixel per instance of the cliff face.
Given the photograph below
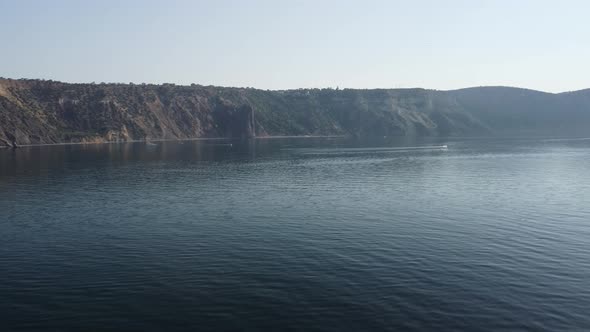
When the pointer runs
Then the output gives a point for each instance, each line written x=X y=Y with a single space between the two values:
x=38 y=112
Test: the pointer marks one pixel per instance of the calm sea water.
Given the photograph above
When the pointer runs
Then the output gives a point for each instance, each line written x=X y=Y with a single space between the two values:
x=296 y=234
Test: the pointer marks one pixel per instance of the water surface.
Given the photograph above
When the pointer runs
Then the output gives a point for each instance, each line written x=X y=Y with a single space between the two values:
x=297 y=234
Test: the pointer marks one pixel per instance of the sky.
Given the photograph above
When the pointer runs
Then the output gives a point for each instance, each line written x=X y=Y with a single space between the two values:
x=274 y=44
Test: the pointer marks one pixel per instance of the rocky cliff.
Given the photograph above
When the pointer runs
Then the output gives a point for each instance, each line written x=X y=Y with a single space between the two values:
x=40 y=112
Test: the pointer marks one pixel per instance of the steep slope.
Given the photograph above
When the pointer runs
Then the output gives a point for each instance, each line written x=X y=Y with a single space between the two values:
x=511 y=111
x=37 y=112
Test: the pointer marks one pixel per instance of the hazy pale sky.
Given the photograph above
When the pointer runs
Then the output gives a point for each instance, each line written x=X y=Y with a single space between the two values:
x=275 y=44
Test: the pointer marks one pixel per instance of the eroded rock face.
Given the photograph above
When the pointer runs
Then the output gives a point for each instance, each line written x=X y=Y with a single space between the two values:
x=234 y=121
x=40 y=112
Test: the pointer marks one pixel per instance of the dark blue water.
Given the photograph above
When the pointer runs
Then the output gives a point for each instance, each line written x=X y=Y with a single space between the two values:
x=305 y=235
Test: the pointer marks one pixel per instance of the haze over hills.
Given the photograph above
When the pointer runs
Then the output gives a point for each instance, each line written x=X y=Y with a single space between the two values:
x=44 y=112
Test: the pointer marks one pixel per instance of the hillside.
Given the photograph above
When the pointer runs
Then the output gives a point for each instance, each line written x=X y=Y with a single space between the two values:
x=40 y=112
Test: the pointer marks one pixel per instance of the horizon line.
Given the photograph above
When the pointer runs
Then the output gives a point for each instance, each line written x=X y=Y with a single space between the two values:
x=289 y=89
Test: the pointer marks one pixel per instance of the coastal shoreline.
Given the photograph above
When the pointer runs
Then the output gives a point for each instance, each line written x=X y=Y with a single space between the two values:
x=173 y=140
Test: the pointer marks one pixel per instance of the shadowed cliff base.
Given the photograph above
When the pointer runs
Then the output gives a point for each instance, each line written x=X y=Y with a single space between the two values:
x=48 y=112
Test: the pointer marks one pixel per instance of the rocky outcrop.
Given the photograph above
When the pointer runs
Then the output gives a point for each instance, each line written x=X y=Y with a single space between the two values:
x=40 y=112
x=234 y=121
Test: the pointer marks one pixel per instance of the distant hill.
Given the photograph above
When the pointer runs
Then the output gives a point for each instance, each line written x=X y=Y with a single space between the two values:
x=39 y=112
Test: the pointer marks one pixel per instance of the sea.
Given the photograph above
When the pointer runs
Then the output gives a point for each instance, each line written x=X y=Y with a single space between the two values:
x=297 y=234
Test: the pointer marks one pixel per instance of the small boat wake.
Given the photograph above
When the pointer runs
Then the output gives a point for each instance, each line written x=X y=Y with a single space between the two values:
x=324 y=151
